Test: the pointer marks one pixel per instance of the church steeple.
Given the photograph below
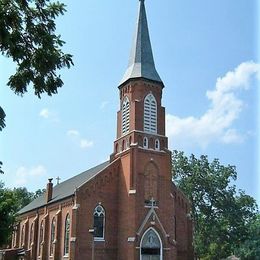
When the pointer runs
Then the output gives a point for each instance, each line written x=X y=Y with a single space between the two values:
x=141 y=62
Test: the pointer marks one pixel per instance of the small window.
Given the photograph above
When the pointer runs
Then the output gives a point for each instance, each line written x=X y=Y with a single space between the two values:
x=53 y=229
x=67 y=235
x=99 y=223
x=157 y=145
x=145 y=142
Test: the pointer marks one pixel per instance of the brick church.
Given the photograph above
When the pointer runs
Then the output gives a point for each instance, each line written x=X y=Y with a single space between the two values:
x=128 y=207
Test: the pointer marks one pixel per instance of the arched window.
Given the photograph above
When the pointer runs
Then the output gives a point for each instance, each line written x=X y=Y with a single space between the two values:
x=145 y=143
x=40 y=238
x=150 y=114
x=125 y=115
x=22 y=236
x=151 y=245
x=67 y=235
x=99 y=223
x=53 y=229
x=31 y=235
x=157 y=145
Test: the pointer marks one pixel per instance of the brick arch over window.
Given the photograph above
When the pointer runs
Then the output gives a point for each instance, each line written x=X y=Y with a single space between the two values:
x=125 y=115
x=151 y=178
x=150 y=114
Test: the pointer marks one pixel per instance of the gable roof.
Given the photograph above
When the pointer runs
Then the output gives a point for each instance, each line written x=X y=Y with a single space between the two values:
x=65 y=189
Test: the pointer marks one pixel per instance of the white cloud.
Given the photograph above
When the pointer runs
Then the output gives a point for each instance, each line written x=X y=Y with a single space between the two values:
x=73 y=132
x=45 y=113
x=103 y=105
x=24 y=175
x=216 y=124
x=51 y=115
x=85 y=143
x=82 y=142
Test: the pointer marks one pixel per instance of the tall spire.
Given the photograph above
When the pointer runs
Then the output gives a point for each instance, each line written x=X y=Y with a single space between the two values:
x=141 y=62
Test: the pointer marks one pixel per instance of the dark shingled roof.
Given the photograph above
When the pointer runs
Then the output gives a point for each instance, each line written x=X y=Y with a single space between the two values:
x=141 y=62
x=66 y=188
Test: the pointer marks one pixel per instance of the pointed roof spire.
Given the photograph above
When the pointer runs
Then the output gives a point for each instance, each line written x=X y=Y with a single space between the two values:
x=141 y=62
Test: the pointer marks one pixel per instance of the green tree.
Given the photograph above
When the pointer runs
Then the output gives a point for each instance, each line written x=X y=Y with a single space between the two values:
x=2 y=125
x=11 y=201
x=250 y=248
x=7 y=216
x=220 y=212
x=38 y=193
x=28 y=36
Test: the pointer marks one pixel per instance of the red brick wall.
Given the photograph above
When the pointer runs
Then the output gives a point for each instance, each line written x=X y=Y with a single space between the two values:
x=120 y=189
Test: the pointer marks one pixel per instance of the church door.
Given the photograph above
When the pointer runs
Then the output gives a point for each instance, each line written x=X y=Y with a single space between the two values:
x=151 y=246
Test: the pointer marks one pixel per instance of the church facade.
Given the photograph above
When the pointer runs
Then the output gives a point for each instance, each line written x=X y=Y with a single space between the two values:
x=127 y=208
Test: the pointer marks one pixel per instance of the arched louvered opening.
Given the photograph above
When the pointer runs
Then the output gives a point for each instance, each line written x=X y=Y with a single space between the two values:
x=150 y=114
x=125 y=115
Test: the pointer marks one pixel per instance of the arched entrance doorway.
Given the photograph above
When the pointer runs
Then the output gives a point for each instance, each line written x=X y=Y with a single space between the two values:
x=151 y=246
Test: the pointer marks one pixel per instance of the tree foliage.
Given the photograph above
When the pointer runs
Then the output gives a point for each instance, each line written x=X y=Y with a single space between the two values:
x=220 y=213
x=250 y=248
x=2 y=125
x=27 y=35
x=11 y=201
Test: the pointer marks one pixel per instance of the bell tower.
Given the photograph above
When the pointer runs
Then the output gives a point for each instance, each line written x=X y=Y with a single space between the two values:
x=141 y=118
x=142 y=148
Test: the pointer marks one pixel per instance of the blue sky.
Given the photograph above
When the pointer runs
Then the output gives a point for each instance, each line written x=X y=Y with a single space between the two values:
x=206 y=54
